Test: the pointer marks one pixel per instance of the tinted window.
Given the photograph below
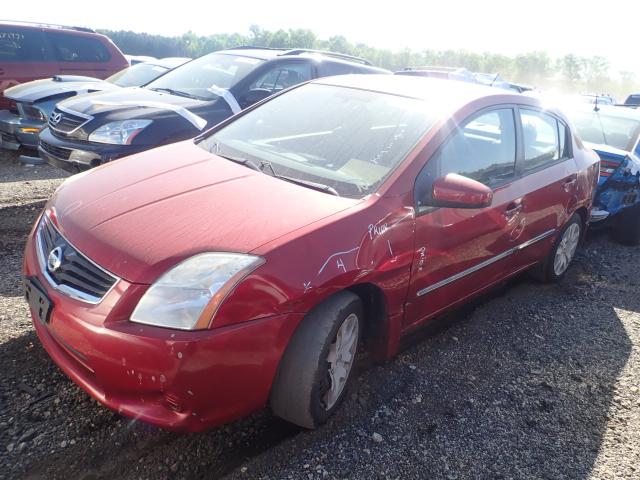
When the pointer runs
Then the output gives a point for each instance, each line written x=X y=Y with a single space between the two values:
x=21 y=45
x=633 y=100
x=78 y=48
x=346 y=138
x=283 y=76
x=483 y=149
x=328 y=69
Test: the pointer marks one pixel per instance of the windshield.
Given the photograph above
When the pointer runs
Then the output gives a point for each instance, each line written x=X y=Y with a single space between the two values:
x=197 y=77
x=598 y=127
x=346 y=139
x=137 y=75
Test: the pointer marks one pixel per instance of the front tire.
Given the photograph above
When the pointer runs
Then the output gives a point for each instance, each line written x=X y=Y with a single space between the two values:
x=316 y=367
x=555 y=265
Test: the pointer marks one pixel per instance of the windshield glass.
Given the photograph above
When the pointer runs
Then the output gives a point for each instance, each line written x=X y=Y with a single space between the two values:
x=136 y=75
x=197 y=77
x=347 y=139
x=598 y=127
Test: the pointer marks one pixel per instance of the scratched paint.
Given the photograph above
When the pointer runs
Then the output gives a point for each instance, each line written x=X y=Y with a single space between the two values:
x=422 y=252
x=337 y=254
x=377 y=230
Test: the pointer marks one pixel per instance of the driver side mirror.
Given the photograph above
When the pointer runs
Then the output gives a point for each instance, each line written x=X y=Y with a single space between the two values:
x=458 y=191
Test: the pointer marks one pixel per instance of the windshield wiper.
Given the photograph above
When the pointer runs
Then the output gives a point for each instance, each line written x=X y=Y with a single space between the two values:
x=241 y=161
x=176 y=92
x=305 y=183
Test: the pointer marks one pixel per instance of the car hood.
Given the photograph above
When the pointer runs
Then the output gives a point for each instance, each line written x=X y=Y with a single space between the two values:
x=31 y=92
x=141 y=215
x=131 y=98
x=135 y=102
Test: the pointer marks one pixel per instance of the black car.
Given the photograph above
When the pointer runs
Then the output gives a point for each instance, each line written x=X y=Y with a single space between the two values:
x=92 y=129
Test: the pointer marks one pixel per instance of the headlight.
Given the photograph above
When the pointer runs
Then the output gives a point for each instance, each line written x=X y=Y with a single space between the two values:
x=119 y=133
x=179 y=298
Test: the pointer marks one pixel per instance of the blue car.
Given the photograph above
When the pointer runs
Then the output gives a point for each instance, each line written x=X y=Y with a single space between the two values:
x=614 y=133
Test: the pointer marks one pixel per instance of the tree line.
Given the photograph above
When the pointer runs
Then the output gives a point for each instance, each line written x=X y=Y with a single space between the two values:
x=570 y=73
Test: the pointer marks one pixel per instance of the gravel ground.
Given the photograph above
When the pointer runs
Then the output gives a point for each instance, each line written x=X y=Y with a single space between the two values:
x=534 y=381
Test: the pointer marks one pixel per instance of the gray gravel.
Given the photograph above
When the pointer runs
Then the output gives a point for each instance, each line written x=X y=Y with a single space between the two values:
x=534 y=381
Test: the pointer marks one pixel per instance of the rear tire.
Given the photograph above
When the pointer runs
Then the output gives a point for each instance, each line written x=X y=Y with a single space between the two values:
x=626 y=229
x=316 y=367
x=554 y=267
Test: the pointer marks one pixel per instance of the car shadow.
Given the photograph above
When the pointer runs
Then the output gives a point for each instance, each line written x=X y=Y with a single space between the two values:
x=11 y=170
x=15 y=223
x=517 y=384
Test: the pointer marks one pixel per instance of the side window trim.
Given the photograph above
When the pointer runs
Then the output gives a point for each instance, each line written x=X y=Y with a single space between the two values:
x=445 y=138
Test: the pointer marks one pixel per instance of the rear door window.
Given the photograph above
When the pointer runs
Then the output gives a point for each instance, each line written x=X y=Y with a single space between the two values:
x=21 y=45
x=78 y=48
x=544 y=138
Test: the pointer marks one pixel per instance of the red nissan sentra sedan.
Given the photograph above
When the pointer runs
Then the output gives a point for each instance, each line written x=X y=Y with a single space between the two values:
x=193 y=284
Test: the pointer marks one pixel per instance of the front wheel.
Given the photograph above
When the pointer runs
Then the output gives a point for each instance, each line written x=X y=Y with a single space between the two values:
x=316 y=367
x=556 y=264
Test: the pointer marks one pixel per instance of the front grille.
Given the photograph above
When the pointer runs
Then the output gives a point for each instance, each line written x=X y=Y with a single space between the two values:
x=65 y=122
x=69 y=271
x=8 y=137
x=63 y=153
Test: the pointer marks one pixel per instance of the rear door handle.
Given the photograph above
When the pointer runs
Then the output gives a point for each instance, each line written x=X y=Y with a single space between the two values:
x=513 y=209
x=569 y=182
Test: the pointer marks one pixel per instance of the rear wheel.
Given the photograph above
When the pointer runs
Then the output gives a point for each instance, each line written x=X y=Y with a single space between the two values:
x=316 y=367
x=555 y=266
x=626 y=229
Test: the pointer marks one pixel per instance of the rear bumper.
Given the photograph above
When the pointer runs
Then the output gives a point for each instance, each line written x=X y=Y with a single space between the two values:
x=75 y=156
x=179 y=380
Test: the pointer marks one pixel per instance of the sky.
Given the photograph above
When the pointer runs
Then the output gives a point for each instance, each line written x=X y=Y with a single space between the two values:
x=585 y=28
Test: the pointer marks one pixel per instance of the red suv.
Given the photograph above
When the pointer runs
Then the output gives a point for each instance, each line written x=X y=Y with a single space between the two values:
x=31 y=51
x=195 y=283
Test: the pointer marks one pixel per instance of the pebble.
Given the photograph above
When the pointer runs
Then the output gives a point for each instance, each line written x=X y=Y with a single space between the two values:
x=376 y=437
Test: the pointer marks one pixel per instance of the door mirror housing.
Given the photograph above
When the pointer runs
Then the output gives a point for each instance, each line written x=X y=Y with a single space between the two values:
x=458 y=191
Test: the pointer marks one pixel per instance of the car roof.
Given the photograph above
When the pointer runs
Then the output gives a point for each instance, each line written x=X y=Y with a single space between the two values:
x=267 y=53
x=46 y=26
x=453 y=93
x=259 y=53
